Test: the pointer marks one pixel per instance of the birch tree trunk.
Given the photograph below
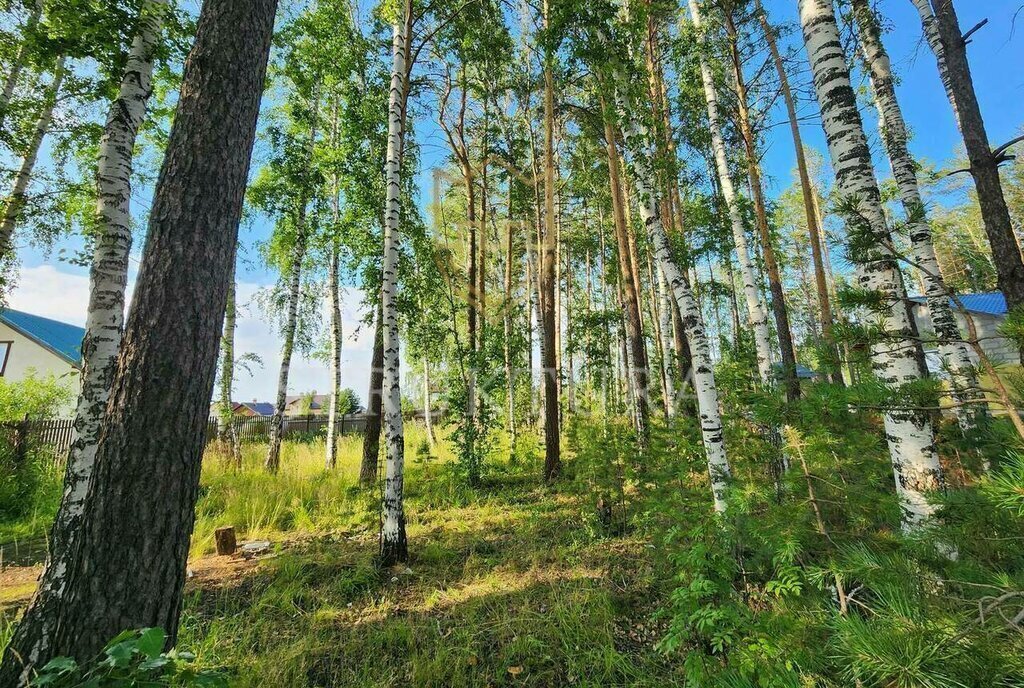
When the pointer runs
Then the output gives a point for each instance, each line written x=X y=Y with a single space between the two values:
x=331 y=448
x=984 y=162
x=667 y=351
x=273 y=460
x=755 y=309
x=428 y=421
x=393 y=543
x=108 y=274
x=807 y=191
x=291 y=321
x=894 y=134
x=119 y=575
x=908 y=432
x=331 y=459
x=20 y=59
x=771 y=264
x=226 y=436
x=931 y=34
x=636 y=141
x=18 y=197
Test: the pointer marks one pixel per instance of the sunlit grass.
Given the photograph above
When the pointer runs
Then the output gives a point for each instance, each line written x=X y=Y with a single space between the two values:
x=303 y=496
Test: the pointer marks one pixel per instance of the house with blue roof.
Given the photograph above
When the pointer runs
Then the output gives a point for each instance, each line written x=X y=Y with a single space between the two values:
x=987 y=311
x=34 y=346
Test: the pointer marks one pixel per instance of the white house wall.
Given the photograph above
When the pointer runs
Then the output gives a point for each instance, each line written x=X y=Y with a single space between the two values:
x=999 y=349
x=27 y=357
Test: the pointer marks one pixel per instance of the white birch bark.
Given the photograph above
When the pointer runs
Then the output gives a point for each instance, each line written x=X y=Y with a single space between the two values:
x=108 y=278
x=393 y=544
x=752 y=294
x=19 y=61
x=273 y=460
x=667 y=347
x=952 y=346
x=226 y=434
x=908 y=432
x=17 y=199
x=636 y=138
x=428 y=422
x=331 y=460
x=108 y=274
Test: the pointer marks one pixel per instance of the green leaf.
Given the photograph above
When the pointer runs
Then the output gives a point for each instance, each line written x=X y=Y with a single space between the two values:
x=151 y=642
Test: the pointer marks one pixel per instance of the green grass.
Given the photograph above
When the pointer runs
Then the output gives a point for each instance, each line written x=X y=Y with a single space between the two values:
x=509 y=584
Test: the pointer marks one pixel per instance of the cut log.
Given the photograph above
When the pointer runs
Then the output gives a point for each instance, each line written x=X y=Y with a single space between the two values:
x=226 y=542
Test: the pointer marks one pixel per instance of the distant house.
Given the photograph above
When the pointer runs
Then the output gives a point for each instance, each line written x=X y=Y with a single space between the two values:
x=318 y=404
x=988 y=311
x=34 y=345
x=253 y=408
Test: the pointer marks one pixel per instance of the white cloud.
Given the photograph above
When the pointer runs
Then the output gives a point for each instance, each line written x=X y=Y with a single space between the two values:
x=44 y=290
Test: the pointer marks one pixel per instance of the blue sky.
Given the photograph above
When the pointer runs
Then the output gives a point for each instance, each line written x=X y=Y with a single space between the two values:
x=58 y=289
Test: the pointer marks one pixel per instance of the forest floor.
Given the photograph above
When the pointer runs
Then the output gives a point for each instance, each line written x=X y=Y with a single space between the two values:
x=512 y=583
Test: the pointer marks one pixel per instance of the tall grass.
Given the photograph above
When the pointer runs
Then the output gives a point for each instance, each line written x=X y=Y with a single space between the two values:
x=304 y=496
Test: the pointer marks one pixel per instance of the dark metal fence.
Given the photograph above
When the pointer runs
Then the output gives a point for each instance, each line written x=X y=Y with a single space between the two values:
x=257 y=428
x=55 y=433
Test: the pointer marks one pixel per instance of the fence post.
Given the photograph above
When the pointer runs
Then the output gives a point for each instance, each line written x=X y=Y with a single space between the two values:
x=342 y=430
x=21 y=440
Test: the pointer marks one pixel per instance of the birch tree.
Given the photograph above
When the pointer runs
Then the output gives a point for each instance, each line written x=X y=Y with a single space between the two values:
x=752 y=294
x=637 y=141
x=893 y=127
x=908 y=431
x=108 y=275
x=297 y=192
x=393 y=543
x=18 y=196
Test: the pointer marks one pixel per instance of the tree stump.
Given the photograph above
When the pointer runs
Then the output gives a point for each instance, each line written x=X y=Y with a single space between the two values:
x=225 y=538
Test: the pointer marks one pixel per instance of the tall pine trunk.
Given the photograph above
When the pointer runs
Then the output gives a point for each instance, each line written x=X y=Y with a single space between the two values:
x=951 y=54
x=636 y=354
x=119 y=575
x=393 y=543
x=508 y=313
x=953 y=349
x=771 y=263
x=549 y=257
x=908 y=431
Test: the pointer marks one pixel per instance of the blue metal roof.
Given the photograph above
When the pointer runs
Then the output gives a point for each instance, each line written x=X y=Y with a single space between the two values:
x=59 y=337
x=263 y=408
x=991 y=303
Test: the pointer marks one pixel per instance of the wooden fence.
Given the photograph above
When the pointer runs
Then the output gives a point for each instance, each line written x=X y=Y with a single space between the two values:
x=52 y=433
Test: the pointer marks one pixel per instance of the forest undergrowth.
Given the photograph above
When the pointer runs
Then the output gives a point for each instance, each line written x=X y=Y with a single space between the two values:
x=615 y=574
